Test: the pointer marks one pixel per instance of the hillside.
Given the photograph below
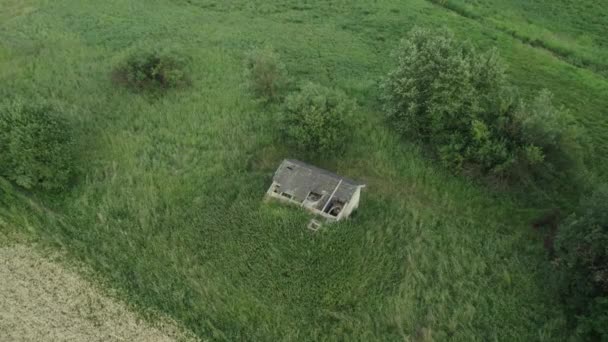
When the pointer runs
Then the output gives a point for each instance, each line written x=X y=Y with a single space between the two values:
x=167 y=204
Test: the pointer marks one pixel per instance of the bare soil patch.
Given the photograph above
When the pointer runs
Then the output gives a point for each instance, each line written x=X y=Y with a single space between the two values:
x=40 y=300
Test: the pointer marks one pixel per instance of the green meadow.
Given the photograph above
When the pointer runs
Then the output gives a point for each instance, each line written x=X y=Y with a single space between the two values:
x=572 y=30
x=166 y=207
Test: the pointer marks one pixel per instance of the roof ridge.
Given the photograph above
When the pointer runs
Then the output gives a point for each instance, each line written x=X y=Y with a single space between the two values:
x=324 y=171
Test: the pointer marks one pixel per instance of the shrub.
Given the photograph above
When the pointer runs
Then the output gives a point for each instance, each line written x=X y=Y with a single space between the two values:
x=317 y=119
x=35 y=146
x=582 y=264
x=457 y=101
x=152 y=69
x=554 y=131
x=266 y=74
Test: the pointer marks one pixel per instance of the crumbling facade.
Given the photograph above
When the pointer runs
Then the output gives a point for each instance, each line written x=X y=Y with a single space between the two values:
x=324 y=193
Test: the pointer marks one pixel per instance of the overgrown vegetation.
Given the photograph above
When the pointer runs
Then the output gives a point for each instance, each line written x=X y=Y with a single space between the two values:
x=318 y=120
x=582 y=266
x=152 y=69
x=266 y=74
x=167 y=210
x=36 y=149
x=458 y=102
x=556 y=135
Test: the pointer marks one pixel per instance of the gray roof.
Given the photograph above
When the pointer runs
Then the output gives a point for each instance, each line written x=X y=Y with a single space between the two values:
x=300 y=179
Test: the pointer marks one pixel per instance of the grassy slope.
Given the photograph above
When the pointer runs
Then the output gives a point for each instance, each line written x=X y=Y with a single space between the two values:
x=167 y=207
x=573 y=30
x=580 y=22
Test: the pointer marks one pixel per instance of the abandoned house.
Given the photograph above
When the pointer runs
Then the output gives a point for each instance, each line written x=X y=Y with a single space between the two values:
x=322 y=192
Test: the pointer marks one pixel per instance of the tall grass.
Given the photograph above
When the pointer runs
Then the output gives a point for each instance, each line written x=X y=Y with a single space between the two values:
x=570 y=30
x=168 y=206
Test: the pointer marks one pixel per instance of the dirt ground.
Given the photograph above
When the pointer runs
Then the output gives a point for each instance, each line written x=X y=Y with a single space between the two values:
x=40 y=300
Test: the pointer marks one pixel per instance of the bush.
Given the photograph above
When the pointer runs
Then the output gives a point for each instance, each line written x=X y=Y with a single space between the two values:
x=582 y=265
x=317 y=119
x=35 y=146
x=152 y=69
x=266 y=74
x=457 y=101
x=554 y=131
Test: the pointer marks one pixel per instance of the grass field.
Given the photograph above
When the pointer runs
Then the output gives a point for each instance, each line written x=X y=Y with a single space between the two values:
x=167 y=203
x=572 y=30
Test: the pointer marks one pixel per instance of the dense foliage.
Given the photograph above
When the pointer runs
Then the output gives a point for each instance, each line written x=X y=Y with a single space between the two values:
x=443 y=93
x=35 y=146
x=266 y=74
x=448 y=96
x=317 y=119
x=152 y=69
x=582 y=264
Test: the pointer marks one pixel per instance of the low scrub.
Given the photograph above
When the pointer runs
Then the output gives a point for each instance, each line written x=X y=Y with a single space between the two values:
x=457 y=101
x=317 y=119
x=554 y=132
x=36 y=146
x=266 y=74
x=152 y=69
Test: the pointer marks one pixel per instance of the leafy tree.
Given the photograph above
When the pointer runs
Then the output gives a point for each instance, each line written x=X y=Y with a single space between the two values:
x=457 y=101
x=582 y=264
x=445 y=94
x=317 y=119
x=35 y=146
